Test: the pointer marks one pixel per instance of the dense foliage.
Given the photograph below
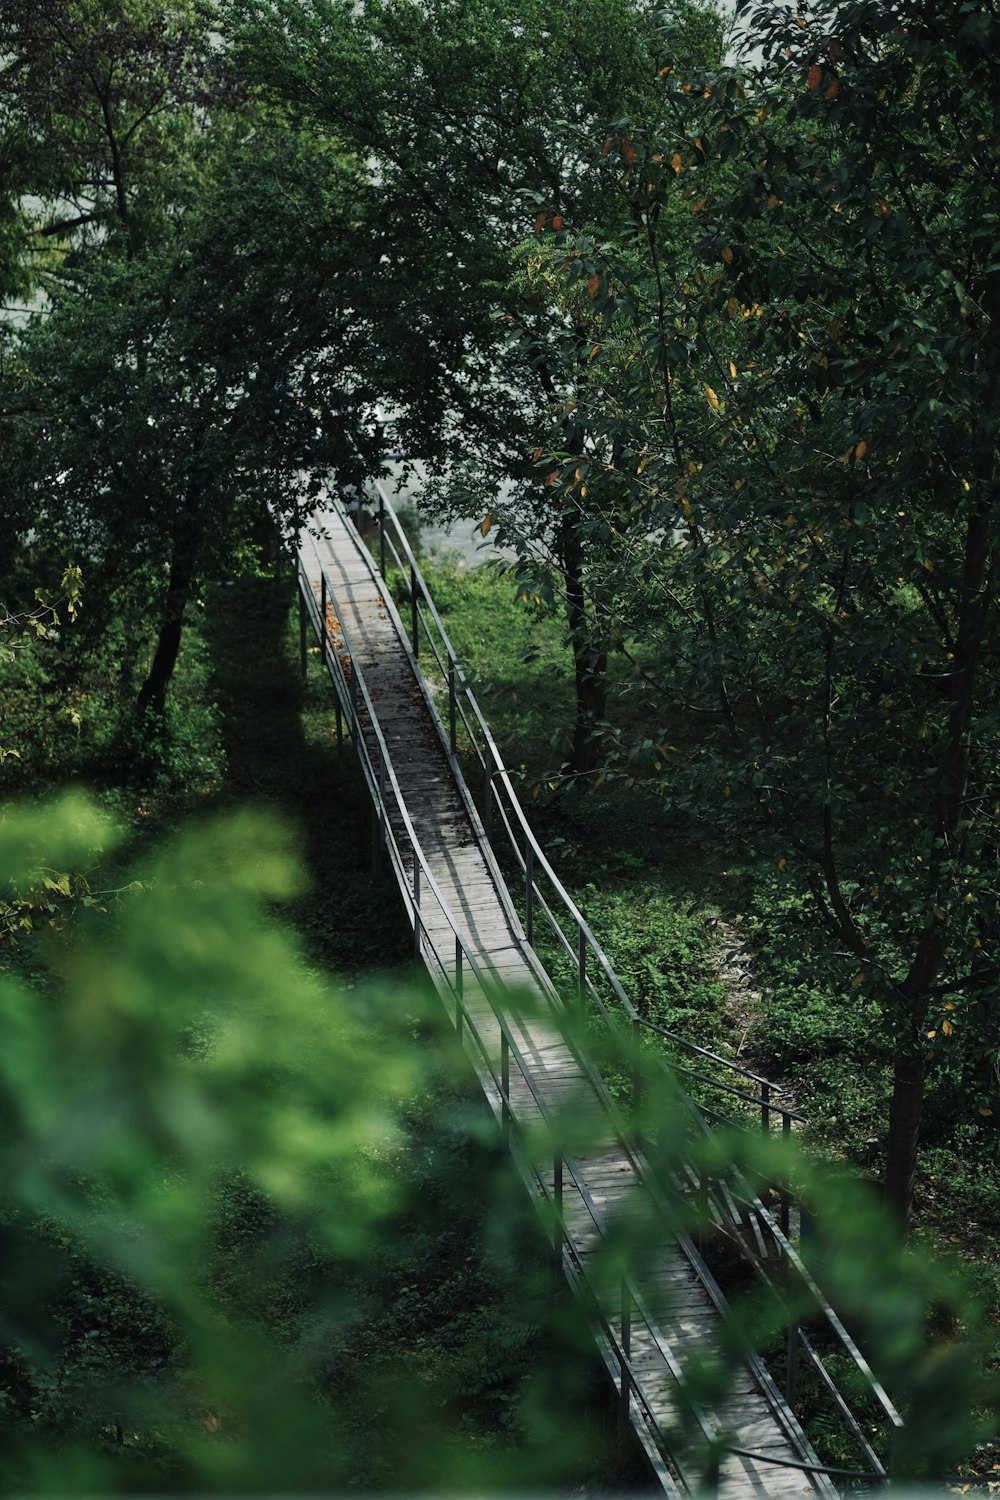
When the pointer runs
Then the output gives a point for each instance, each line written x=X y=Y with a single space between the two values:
x=710 y=342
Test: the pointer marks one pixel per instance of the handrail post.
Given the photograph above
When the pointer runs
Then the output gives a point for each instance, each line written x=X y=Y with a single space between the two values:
x=451 y=702
x=459 y=986
x=581 y=949
x=381 y=531
x=322 y=616
x=303 y=623
x=626 y=1376
x=414 y=612
x=784 y=1209
x=488 y=769
x=765 y=1108
x=529 y=891
x=417 y=919
x=636 y=1028
x=505 y=1085
x=557 y=1228
x=792 y=1362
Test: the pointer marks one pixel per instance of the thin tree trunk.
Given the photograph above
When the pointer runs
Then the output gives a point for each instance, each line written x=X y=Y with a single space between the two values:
x=590 y=658
x=904 y=1131
x=180 y=583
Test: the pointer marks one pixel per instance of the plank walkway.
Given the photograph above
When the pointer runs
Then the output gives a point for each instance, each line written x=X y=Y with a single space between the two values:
x=674 y=1312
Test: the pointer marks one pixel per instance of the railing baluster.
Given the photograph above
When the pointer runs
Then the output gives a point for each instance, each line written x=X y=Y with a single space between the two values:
x=792 y=1362
x=529 y=892
x=636 y=1029
x=581 y=949
x=417 y=919
x=381 y=532
x=765 y=1108
x=784 y=1211
x=414 y=612
x=505 y=1084
x=626 y=1378
x=488 y=793
x=322 y=616
x=451 y=702
x=557 y=1202
x=459 y=987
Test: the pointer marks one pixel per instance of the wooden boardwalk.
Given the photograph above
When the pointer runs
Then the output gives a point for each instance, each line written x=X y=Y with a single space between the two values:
x=646 y=1335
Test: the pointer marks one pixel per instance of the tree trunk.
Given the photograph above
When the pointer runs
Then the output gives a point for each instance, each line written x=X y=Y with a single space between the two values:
x=180 y=582
x=590 y=658
x=904 y=1130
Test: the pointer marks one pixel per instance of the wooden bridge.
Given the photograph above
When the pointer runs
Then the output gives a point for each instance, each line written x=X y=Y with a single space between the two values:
x=412 y=717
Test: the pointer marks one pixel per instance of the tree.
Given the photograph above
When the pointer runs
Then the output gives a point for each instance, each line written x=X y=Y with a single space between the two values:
x=478 y=126
x=812 y=406
x=99 y=107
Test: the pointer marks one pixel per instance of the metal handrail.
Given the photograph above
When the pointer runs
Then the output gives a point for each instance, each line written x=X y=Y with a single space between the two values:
x=531 y=858
x=353 y=692
x=496 y=772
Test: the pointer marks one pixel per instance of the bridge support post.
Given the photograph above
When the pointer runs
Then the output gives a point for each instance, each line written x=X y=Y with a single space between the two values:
x=459 y=987
x=322 y=617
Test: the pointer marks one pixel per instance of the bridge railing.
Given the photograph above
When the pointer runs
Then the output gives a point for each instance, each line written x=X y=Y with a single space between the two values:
x=724 y=1091
x=459 y=975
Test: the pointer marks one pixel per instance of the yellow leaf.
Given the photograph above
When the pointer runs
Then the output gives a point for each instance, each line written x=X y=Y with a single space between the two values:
x=711 y=398
x=732 y=369
x=727 y=256
x=773 y=200
x=676 y=163
x=860 y=449
x=947 y=1027
x=986 y=1112
x=814 y=77
x=486 y=526
x=593 y=284
x=595 y=351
